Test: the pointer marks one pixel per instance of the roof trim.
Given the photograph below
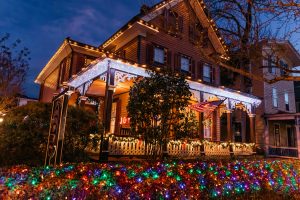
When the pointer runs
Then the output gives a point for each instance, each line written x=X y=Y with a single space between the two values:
x=170 y=3
x=67 y=42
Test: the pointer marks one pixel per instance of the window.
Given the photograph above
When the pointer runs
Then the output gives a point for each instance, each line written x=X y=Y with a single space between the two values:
x=207 y=73
x=283 y=64
x=185 y=63
x=159 y=55
x=275 y=97
x=271 y=64
x=286 y=101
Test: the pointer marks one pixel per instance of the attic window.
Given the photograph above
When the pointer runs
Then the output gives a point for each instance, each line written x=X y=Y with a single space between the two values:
x=173 y=23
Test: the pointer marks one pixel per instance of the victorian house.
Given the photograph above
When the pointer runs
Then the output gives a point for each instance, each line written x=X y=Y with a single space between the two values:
x=173 y=34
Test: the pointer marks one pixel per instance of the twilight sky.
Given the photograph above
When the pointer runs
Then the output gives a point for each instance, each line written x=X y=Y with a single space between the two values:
x=42 y=25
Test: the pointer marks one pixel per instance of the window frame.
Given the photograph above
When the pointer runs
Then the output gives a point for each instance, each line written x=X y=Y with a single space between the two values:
x=275 y=97
x=156 y=47
x=182 y=56
x=287 y=101
x=207 y=79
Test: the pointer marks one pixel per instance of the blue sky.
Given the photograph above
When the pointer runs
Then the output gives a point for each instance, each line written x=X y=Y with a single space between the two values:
x=43 y=24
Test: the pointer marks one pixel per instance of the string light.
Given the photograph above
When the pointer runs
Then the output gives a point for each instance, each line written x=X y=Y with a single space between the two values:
x=143 y=180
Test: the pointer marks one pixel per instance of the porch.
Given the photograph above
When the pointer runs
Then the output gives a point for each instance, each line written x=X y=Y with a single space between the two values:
x=104 y=87
x=283 y=135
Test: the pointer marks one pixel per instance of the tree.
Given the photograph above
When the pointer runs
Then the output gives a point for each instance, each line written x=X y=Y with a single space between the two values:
x=13 y=69
x=247 y=24
x=24 y=134
x=157 y=107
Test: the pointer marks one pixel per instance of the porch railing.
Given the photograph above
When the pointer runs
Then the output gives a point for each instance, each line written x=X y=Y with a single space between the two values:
x=128 y=146
x=283 y=151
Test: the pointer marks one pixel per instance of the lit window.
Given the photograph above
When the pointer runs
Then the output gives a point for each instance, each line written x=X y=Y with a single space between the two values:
x=206 y=73
x=159 y=55
x=185 y=64
x=286 y=101
x=275 y=97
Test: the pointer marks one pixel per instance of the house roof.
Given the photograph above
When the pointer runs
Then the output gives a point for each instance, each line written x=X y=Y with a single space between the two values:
x=67 y=46
x=288 y=49
x=145 y=18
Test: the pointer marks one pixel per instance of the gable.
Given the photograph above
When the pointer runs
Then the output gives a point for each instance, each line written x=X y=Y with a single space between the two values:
x=150 y=21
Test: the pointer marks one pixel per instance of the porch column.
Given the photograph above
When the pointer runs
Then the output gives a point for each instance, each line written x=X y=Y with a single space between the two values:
x=109 y=90
x=201 y=132
x=252 y=128
x=110 y=86
x=229 y=126
x=298 y=138
x=214 y=126
x=82 y=100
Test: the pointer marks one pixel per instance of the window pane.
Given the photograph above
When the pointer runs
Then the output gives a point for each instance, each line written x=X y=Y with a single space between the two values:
x=275 y=98
x=185 y=64
x=159 y=55
x=206 y=73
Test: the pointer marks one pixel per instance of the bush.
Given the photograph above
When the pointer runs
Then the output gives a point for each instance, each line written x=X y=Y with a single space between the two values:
x=24 y=134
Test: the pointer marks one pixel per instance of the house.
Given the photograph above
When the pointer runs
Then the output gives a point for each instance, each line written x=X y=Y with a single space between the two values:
x=277 y=117
x=24 y=100
x=297 y=95
x=173 y=34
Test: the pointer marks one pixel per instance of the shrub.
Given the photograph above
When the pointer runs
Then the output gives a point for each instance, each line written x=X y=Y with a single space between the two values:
x=24 y=134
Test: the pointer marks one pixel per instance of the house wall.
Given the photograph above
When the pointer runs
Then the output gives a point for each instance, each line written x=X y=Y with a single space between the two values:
x=175 y=45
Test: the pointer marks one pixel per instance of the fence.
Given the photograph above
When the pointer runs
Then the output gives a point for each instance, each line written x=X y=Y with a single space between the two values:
x=128 y=146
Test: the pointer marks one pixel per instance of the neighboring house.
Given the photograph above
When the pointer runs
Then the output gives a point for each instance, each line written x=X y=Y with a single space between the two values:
x=173 y=34
x=276 y=122
x=297 y=95
x=24 y=100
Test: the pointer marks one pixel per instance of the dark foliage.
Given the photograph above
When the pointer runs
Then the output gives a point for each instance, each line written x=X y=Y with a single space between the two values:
x=24 y=134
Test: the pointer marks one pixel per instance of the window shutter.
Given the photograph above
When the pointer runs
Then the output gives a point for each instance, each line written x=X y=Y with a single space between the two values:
x=149 y=54
x=165 y=56
x=193 y=70
x=180 y=24
x=169 y=60
x=191 y=33
x=213 y=74
x=177 y=62
x=199 y=70
x=166 y=19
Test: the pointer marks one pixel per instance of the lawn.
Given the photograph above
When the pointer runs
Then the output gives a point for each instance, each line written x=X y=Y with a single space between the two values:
x=243 y=179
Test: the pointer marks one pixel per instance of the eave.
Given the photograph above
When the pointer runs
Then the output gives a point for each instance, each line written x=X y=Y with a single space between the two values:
x=63 y=51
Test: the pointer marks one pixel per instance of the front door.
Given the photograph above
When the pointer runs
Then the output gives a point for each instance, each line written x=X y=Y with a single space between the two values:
x=237 y=131
x=290 y=136
x=276 y=135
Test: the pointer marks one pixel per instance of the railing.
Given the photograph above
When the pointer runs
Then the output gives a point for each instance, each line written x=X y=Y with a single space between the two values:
x=118 y=146
x=283 y=151
x=128 y=146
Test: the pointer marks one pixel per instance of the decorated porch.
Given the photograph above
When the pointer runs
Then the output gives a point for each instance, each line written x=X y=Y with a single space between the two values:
x=226 y=117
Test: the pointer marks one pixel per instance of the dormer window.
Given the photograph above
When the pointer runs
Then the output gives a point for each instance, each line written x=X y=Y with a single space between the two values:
x=159 y=55
x=185 y=63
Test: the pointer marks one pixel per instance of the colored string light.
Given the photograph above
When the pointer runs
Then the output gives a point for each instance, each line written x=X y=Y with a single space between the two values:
x=160 y=180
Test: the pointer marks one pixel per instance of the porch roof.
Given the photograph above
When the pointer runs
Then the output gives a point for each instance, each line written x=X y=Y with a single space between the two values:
x=100 y=66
